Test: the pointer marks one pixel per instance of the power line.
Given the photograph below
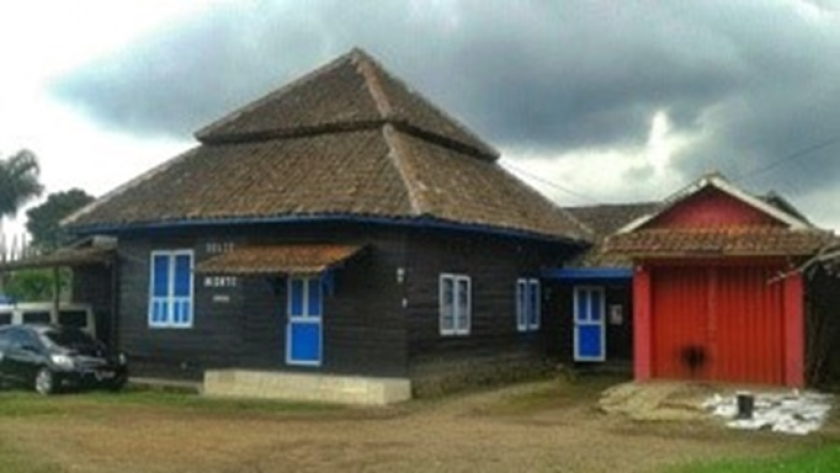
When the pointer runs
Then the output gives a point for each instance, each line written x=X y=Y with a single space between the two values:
x=554 y=185
x=785 y=159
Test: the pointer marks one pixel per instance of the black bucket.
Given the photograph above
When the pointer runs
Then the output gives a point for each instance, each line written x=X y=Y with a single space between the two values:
x=746 y=405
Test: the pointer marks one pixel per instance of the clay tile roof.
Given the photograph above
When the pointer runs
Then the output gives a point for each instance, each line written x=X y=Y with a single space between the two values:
x=422 y=167
x=351 y=92
x=279 y=259
x=604 y=220
x=724 y=241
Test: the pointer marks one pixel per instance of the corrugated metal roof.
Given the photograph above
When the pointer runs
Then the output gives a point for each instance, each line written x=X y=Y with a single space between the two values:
x=279 y=259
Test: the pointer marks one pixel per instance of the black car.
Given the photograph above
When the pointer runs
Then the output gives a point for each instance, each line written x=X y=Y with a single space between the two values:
x=50 y=358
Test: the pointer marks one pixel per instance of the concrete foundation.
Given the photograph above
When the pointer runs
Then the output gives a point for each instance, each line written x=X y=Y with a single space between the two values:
x=306 y=387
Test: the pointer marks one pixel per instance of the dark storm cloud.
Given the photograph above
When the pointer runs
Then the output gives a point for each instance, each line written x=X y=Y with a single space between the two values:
x=756 y=79
x=778 y=129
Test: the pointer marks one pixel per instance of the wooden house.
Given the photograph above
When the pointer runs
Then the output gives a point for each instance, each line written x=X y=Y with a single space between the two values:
x=339 y=226
x=716 y=290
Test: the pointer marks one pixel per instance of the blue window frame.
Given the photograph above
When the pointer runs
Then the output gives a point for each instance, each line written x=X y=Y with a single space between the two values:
x=528 y=304
x=455 y=298
x=171 y=289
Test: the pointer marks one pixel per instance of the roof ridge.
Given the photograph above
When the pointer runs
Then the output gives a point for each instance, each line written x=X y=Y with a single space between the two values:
x=298 y=132
x=366 y=66
x=204 y=132
x=395 y=155
x=372 y=69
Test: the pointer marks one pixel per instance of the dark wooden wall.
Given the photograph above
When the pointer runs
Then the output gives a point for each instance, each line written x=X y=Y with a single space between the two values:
x=364 y=331
x=493 y=265
x=92 y=284
x=373 y=323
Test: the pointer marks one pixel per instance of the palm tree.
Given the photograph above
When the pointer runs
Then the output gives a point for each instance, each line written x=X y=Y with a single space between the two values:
x=18 y=183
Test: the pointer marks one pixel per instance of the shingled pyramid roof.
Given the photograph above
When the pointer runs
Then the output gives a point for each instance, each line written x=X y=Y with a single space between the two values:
x=348 y=140
x=349 y=93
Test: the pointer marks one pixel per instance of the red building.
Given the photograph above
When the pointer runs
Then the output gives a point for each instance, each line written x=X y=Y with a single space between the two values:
x=715 y=291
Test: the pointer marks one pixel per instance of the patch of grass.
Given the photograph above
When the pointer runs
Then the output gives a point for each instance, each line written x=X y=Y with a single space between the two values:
x=821 y=460
x=180 y=399
x=19 y=462
x=25 y=404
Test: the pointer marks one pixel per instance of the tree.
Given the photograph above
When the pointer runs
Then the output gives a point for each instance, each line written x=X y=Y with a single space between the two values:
x=19 y=182
x=35 y=285
x=43 y=221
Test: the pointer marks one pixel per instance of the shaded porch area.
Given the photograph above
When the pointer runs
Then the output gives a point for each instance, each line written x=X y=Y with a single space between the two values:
x=592 y=307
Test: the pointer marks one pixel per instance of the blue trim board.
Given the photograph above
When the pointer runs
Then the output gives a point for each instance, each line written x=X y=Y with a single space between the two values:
x=579 y=274
x=423 y=222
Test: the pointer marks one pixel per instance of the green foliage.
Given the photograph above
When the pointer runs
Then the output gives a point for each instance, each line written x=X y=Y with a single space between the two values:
x=43 y=220
x=19 y=182
x=823 y=460
x=35 y=285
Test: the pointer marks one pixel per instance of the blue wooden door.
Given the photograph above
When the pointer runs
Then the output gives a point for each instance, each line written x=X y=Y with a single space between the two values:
x=590 y=336
x=304 y=328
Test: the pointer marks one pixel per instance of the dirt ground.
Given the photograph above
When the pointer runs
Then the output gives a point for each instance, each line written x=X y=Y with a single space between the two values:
x=544 y=426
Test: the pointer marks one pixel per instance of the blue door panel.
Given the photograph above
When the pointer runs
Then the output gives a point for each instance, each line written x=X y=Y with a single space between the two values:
x=589 y=341
x=582 y=309
x=306 y=342
x=314 y=302
x=296 y=298
x=595 y=307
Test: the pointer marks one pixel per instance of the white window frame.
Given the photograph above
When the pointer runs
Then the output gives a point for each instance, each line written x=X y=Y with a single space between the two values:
x=526 y=319
x=170 y=297
x=457 y=316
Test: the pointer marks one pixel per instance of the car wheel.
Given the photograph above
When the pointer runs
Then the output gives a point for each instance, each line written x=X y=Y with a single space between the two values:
x=45 y=382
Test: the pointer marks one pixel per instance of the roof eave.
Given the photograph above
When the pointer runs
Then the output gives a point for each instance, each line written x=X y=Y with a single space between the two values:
x=710 y=254
x=424 y=221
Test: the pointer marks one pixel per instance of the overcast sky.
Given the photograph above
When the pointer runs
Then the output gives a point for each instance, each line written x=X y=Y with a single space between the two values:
x=588 y=101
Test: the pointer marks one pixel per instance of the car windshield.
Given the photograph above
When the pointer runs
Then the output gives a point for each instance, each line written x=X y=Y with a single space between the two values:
x=70 y=338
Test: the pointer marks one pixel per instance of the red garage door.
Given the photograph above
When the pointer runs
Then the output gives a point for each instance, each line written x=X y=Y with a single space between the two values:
x=718 y=323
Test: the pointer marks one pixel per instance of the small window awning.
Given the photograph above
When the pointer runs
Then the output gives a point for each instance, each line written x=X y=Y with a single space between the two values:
x=279 y=259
